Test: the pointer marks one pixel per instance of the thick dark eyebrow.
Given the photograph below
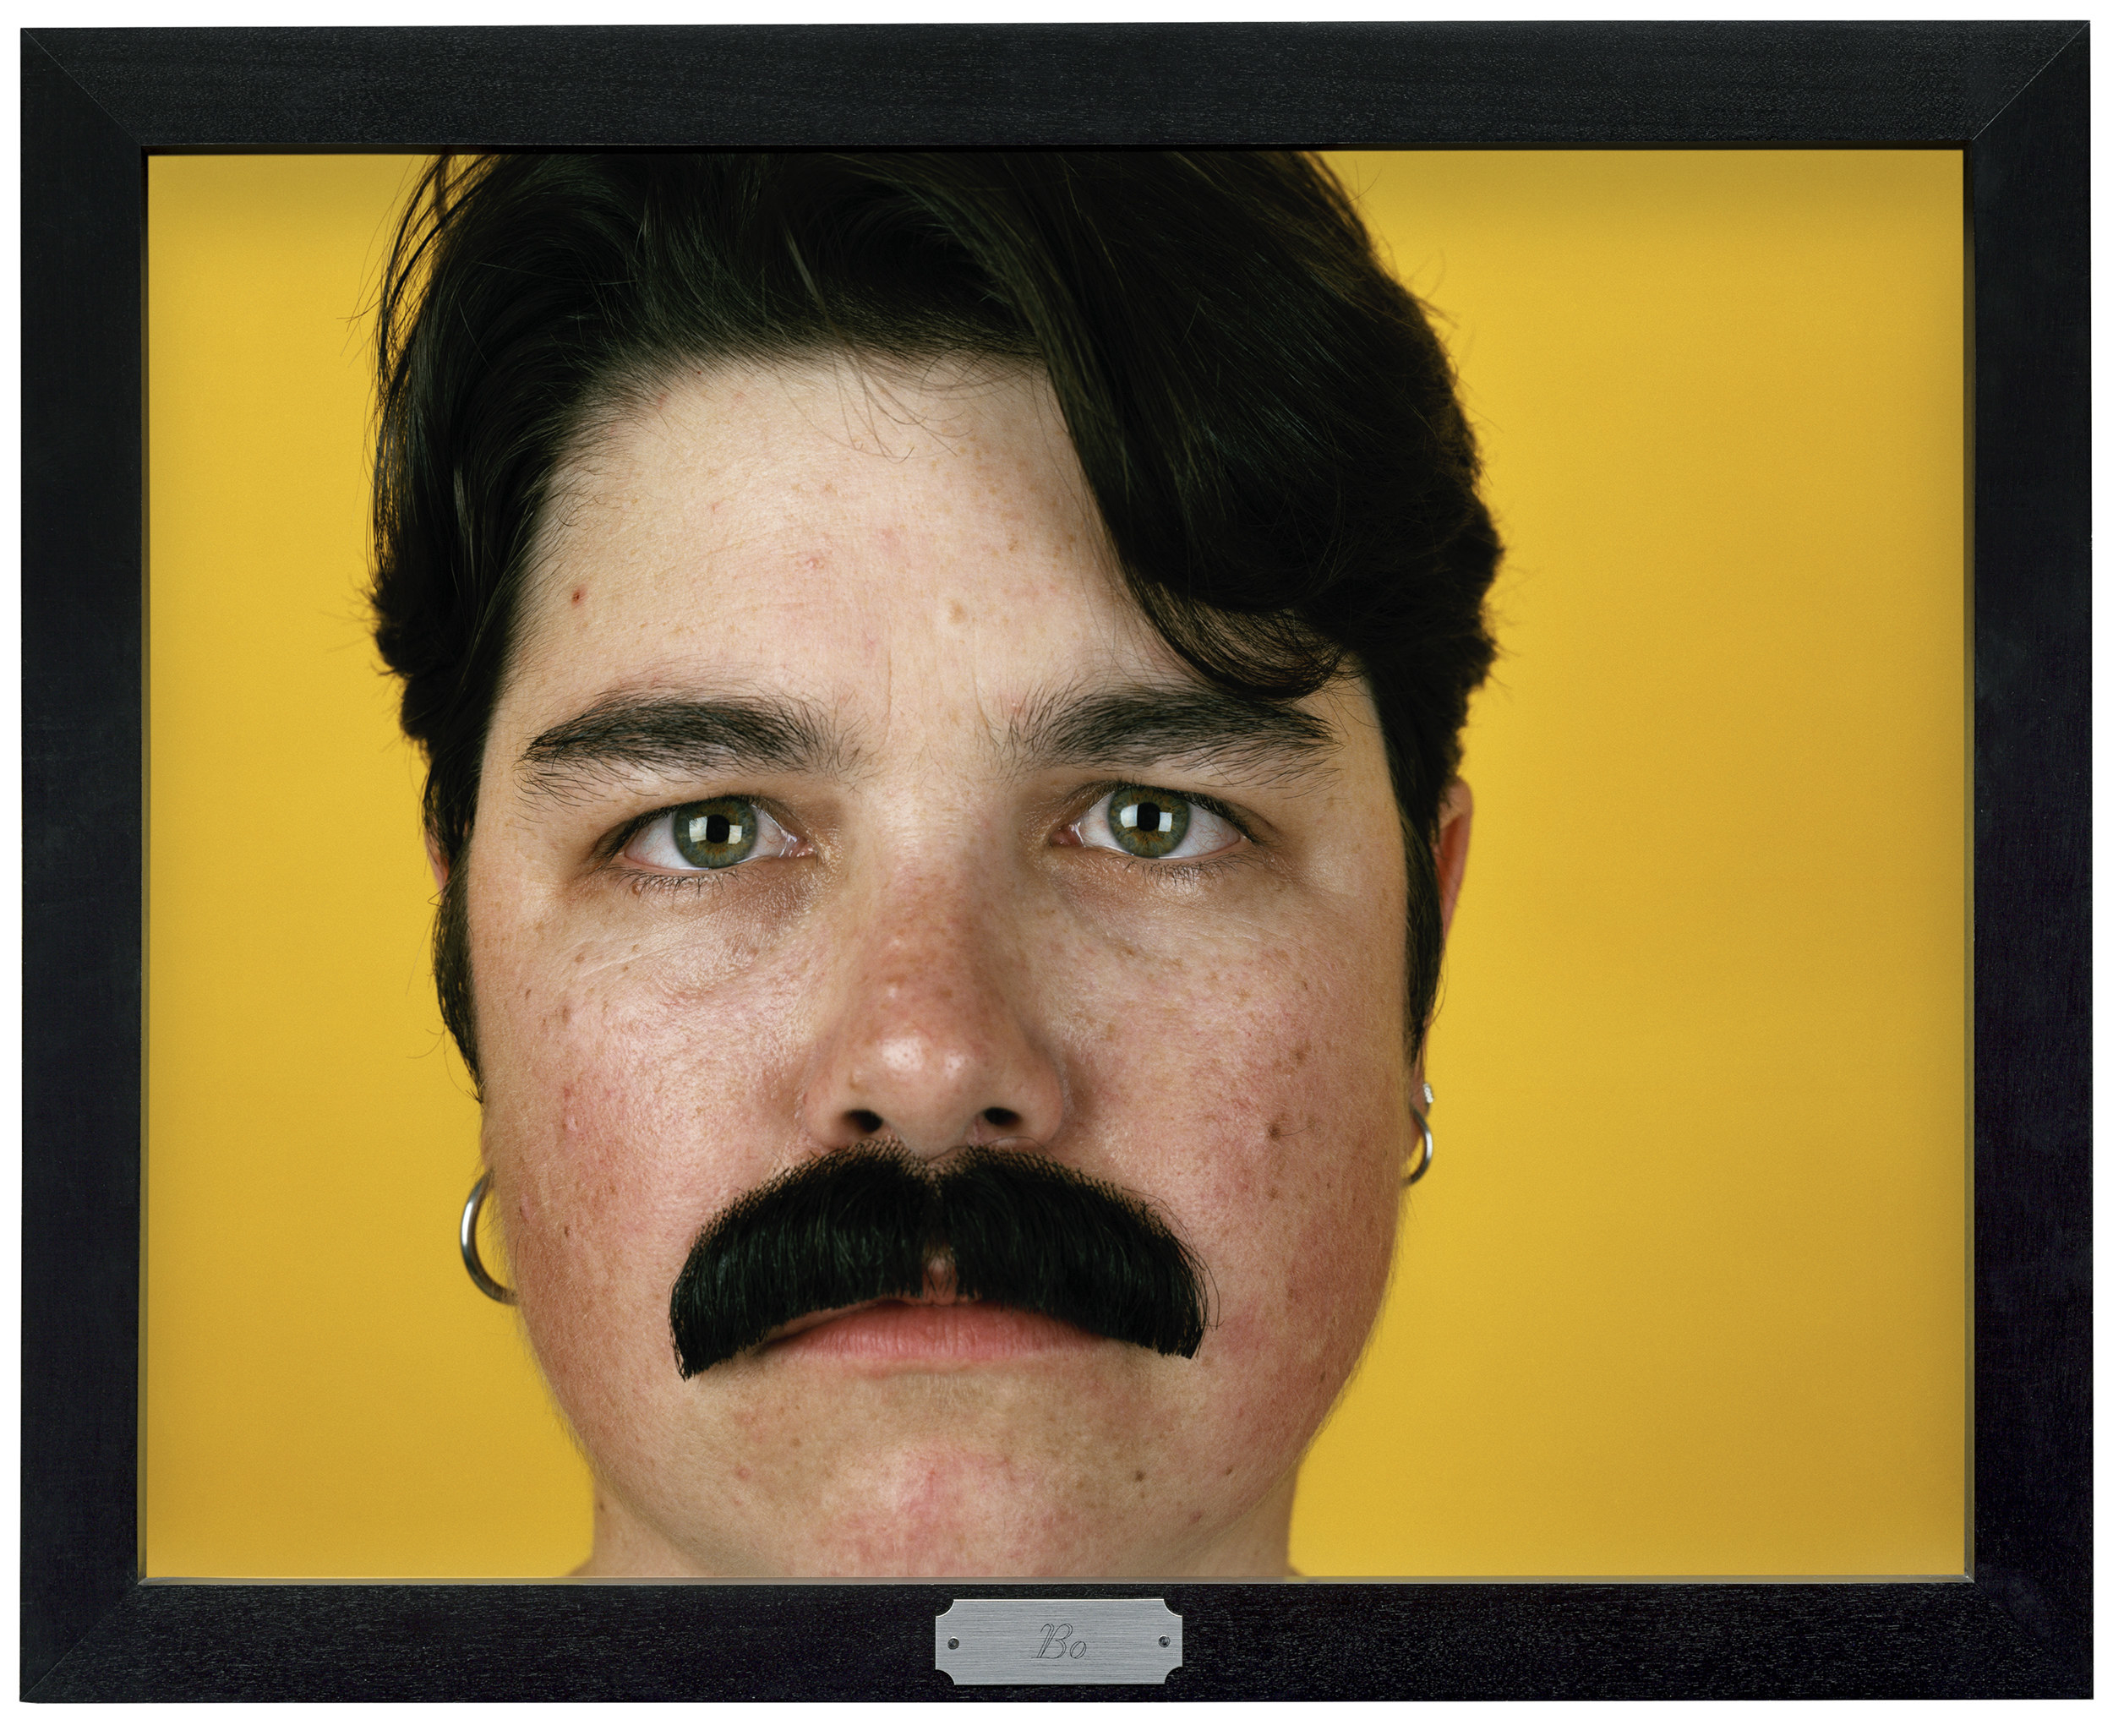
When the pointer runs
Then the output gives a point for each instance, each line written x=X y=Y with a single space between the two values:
x=669 y=732
x=1265 y=740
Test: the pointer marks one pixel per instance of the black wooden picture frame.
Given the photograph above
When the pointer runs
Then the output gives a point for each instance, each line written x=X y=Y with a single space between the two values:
x=95 y=102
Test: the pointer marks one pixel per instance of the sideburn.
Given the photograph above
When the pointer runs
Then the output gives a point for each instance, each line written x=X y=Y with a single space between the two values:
x=451 y=967
x=1427 y=934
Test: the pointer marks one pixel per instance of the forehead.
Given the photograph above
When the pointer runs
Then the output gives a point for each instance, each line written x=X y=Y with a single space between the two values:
x=854 y=533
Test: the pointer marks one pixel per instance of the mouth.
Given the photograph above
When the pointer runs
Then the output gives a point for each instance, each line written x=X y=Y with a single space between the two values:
x=924 y=1332
x=875 y=1255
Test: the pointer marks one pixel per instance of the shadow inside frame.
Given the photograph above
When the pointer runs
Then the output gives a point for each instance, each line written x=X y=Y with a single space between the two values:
x=95 y=101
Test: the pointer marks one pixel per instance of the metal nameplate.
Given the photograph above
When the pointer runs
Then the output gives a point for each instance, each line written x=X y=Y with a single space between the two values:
x=995 y=1641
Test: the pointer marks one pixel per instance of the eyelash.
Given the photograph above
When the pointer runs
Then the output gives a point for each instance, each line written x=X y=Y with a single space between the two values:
x=1188 y=868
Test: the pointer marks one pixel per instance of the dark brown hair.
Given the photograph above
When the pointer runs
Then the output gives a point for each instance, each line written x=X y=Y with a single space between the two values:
x=1267 y=422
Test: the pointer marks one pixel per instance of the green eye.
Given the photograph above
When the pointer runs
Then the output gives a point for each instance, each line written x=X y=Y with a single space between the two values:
x=717 y=834
x=1147 y=822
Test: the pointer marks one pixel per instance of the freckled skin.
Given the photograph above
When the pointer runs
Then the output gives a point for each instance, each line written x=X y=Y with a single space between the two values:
x=1227 y=1044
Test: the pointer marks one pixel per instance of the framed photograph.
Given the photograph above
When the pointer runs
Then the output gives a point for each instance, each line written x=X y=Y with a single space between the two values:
x=1736 y=1339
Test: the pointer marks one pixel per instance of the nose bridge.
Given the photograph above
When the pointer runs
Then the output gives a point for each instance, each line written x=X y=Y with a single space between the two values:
x=928 y=1040
x=927 y=967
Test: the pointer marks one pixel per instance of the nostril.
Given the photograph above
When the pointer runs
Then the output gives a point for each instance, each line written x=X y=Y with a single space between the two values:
x=865 y=1121
x=1001 y=1118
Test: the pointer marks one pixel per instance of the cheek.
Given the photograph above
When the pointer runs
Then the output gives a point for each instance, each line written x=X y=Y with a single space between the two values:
x=595 y=1222
x=1303 y=1197
x=623 y=1081
x=1268 y=1120
x=620 y=1054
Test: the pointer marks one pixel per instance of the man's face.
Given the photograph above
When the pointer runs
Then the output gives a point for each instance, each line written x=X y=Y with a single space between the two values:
x=856 y=844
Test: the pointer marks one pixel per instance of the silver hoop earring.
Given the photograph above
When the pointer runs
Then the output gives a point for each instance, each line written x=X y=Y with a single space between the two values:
x=1422 y=1122
x=482 y=1279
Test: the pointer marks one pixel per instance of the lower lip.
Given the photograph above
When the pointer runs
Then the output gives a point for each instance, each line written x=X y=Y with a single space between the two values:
x=931 y=1332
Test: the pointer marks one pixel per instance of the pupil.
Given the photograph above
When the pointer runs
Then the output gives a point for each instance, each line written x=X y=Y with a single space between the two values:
x=716 y=834
x=1153 y=826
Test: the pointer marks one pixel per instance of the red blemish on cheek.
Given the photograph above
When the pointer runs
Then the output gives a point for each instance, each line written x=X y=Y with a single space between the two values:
x=578 y=594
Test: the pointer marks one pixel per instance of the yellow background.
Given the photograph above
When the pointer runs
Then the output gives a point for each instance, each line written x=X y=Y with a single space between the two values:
x=1685 y=1292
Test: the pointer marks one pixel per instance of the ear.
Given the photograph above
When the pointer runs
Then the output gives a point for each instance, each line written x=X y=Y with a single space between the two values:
x=437 y=862
x=1456 y=820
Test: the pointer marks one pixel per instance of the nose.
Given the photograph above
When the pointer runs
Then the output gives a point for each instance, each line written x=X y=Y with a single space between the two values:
x=930 y=1038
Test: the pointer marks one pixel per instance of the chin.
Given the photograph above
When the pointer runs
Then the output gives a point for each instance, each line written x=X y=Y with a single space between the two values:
x=932 y=1511
x=885 y=1552
x=1020 y=1546
x=951 y=1511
